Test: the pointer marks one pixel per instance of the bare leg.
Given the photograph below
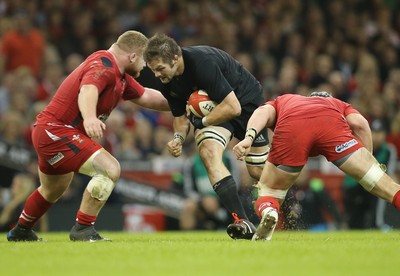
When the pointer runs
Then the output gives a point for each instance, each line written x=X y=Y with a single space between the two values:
x=272 y=188
x=105 y=171
x=52 y=187
x=90 y=205
x=357 y=166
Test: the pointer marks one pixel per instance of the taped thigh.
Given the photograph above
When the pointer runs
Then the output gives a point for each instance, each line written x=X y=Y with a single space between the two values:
x=215 y=133
x=372 y=177
x=87 y=168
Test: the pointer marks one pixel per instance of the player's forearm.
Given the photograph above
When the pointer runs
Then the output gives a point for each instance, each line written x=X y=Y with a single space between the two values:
x=228 y=109
x=258 y=120
x=181 y=126
x=220 y=114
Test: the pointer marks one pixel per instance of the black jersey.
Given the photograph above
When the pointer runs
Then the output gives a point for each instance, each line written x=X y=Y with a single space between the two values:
x=216 y=72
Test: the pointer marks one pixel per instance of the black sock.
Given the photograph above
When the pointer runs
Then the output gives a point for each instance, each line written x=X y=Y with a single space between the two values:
x=228 y=194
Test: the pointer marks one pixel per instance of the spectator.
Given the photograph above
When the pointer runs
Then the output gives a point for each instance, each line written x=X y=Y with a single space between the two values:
x=15 y=155
x=15 y=45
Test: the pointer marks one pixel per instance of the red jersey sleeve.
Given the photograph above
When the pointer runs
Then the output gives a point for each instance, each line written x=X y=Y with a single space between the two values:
x=99 y=76
x=133 y=89
x=344 y=107
x=349 y=109
x=272 y=102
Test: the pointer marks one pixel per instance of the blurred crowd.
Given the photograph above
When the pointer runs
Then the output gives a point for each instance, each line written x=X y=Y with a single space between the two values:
x=350 y=48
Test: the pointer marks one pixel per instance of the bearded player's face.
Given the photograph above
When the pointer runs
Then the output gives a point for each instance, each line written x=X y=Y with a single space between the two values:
x=164 y=71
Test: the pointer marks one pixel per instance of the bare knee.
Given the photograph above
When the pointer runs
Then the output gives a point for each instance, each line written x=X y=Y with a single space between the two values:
x=102 y=163
x=106 y=172
x=114 y=171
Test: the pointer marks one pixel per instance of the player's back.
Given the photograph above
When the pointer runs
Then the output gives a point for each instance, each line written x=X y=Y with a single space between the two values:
x=297 y=107
x=238 y=77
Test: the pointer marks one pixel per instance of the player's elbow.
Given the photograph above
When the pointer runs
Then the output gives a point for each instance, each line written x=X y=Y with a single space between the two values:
x=357 y=123
x=232 y=105
x=237 y=110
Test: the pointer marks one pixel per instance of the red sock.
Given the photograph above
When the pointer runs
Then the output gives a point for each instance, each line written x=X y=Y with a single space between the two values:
x=264 y=202
x=396 y=200
x=85 y=219
x=35 y=207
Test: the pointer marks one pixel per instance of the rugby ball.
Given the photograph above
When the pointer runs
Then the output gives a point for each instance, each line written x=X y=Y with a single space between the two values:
x=200 y=103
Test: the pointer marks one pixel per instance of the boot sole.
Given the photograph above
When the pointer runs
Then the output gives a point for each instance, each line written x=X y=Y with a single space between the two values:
x=265 y=229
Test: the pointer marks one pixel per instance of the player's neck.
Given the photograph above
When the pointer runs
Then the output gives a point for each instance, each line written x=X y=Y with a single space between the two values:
x=181 y=66
x=119 y=56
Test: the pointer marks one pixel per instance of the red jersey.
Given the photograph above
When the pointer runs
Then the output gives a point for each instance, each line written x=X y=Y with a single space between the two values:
x=98 y=69
x=310 y=126
x=298 y=107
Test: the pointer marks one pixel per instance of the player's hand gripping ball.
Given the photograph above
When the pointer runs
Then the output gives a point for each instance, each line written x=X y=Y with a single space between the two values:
x=200 y=103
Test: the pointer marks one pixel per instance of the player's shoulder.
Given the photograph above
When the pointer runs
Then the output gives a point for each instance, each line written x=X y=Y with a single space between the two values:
x=202 y=52
x=289 y=97
x=101 y=58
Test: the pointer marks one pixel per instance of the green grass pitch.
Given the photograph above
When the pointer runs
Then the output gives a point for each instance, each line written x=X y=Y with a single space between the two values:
x=206 y=253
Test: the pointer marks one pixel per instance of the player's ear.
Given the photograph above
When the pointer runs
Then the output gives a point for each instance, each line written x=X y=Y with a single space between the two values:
x=132 y=57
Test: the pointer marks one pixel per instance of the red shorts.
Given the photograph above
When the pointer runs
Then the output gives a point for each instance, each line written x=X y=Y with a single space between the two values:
x=296 y=140
x=61 y=149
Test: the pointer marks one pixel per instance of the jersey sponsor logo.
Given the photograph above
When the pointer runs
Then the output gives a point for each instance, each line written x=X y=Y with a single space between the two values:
x=345 y=146
x=55 y=158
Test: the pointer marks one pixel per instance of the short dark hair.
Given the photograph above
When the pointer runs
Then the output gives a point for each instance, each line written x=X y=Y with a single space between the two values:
x=322 y=94
x=161 y=46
